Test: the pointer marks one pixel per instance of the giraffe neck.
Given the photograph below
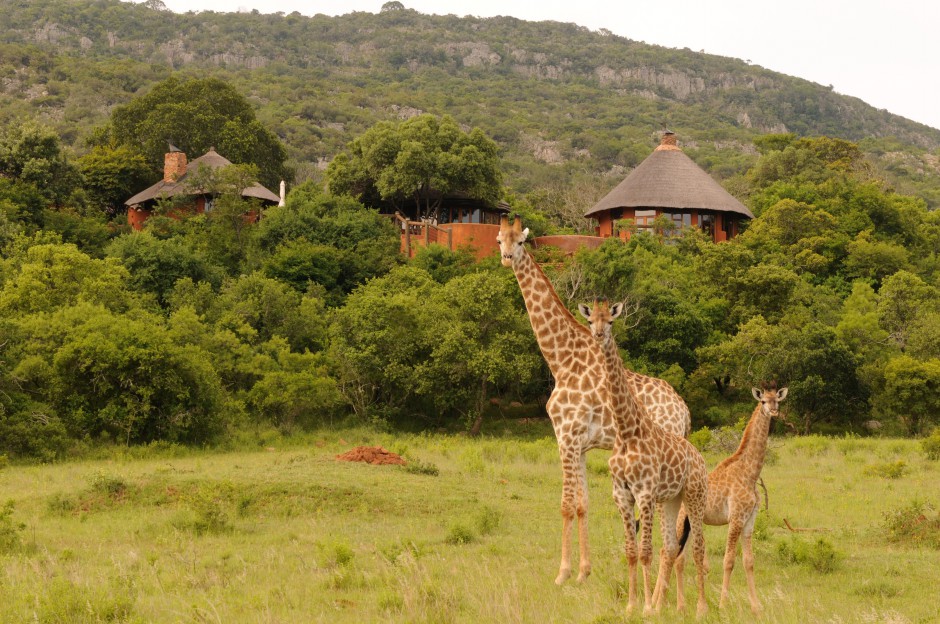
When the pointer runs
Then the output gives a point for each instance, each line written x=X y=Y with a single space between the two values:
x=753 y=448
x=630 y=416
x=555 y=328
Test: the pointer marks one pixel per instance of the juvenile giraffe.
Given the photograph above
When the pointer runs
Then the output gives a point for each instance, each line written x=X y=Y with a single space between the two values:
x=649 y=466
x=732 y=492
x=578 y=405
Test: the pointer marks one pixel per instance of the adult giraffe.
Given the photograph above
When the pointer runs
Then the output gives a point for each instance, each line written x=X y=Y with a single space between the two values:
x=578 y=405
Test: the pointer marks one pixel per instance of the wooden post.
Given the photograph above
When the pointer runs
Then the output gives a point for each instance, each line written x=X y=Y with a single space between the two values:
x=450 y=239
x=407 y=238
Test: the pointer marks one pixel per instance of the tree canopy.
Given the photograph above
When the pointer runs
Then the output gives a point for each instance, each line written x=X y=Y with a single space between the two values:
x=418 y=162
x=196 y=114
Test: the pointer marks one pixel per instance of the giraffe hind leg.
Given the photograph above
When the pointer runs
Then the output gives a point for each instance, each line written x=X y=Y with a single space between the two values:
x=584 y=568
x=748 y=556
x=569 y=495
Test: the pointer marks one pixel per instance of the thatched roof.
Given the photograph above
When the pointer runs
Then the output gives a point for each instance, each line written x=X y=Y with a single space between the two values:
x=211 y=159
x=669 y=179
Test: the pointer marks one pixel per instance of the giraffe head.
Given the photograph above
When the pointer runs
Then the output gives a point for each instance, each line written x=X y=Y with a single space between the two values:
x=601 y=318
x=770 y=398
x=510 y=239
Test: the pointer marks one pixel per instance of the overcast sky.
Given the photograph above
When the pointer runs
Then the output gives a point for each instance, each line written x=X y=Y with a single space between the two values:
x=886 y=52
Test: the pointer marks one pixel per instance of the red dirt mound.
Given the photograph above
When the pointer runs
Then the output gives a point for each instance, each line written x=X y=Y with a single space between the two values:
x=371 y=455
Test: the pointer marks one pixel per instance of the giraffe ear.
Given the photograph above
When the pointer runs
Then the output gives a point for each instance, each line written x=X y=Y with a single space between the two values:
x=584 y=310
x=525 y=234
x=758 y=393
x=782 y=393
x=616 y=310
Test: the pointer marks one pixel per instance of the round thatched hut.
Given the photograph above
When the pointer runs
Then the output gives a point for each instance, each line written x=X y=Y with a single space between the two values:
x=669 y=183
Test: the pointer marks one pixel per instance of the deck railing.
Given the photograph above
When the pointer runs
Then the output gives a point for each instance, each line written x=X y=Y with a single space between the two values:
x=421 y=234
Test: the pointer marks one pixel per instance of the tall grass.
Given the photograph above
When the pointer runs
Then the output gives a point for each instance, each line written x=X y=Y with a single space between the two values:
x=277 y=530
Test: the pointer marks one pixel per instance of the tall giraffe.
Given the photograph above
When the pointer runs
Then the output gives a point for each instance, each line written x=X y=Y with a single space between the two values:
x=649 y=466
x=578 y=403
x=732 y=492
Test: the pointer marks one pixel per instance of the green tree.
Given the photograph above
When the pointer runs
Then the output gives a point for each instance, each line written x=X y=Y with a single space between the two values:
x=154 y=264
x=378 y=341
x=115 y=374
x=112 y=175
x=196 y=114
x=902 y=300
x=482 y=345
x=47 y=276
x=911 y=393
x=33 y=154
x=298 y=393
x=818 y=367
x=418 y=162
x=333 y=241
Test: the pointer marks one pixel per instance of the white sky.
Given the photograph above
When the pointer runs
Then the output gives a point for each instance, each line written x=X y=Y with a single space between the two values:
x=886 y=52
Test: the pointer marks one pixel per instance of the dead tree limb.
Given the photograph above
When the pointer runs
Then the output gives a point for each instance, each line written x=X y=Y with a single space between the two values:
x=798 y=530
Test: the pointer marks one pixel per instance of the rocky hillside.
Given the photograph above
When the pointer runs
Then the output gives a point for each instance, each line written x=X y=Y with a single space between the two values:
x=555 y=96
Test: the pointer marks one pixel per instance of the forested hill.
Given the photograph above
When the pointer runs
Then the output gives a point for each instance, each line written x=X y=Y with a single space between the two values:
x=560 y=99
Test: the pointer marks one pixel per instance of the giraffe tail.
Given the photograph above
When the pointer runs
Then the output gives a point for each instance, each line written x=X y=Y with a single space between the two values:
x=686 y=530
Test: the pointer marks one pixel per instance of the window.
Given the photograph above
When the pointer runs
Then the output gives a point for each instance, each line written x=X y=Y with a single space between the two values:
x=707 y=222
x=680 y=220
x=644 y=220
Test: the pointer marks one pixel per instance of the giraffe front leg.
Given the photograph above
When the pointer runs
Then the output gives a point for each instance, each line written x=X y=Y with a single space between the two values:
x=584 y=569
x=748 y=556
x=569 y=493
x=625 y=504
x=731 y=547
x=646 y=551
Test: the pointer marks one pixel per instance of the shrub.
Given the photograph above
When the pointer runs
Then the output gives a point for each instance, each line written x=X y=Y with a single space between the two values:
x=208 y=510
x=416 y=466
x=9 y=529
x=931 y=445
x=915 y=524
x=888 y=470
x=488 y=520
x=820 y=556
x=108 y=485
x=701 y=439
x=460 y=534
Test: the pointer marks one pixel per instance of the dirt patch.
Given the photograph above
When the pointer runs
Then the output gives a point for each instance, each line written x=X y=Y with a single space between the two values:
x=371 y=455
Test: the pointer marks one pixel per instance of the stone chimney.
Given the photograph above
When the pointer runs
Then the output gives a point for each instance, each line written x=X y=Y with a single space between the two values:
x=174 y=166
x=668 y=141
x=283 y=194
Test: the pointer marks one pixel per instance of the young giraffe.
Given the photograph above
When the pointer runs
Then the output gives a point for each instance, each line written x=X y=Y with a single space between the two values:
x=732 y=492
x=649 y=467
x=578 y=403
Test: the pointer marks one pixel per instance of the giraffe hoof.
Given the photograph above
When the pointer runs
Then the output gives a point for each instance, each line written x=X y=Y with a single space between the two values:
x=563 y=575
x=582 y=576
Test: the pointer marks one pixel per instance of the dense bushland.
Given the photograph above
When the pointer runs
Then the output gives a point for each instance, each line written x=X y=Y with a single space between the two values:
x=195 y=328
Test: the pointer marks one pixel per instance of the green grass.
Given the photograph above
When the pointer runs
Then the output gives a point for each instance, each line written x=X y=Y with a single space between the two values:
x=288 y=534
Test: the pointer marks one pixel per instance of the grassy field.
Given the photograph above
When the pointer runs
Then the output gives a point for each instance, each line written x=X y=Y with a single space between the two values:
x=286 y=533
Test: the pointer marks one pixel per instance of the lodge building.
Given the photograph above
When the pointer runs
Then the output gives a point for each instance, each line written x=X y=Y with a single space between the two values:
x=176 y=182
